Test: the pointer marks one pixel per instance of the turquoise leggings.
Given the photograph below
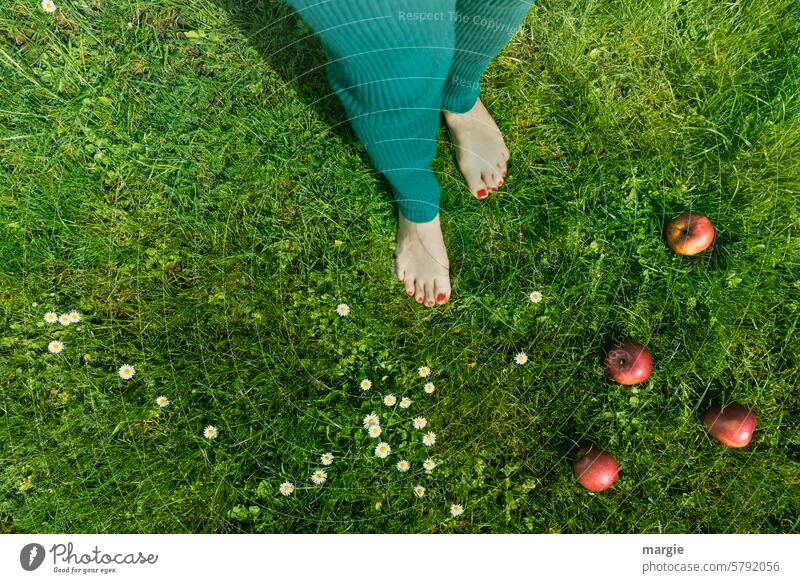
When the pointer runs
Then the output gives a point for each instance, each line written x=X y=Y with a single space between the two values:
x=396 y=63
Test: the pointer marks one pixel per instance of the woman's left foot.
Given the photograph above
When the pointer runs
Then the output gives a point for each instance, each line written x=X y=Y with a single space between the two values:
x=481 y=152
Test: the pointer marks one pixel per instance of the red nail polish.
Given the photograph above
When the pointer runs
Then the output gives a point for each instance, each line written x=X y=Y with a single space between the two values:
x=500 y=183
x=440 y=297
x=411 y=293
x=504 y=174
x=420 y=300
x=482 y=193
x=494 y=190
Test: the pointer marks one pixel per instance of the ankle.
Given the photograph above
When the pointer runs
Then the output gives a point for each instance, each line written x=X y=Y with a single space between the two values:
x=406 y=224
x=456 y=115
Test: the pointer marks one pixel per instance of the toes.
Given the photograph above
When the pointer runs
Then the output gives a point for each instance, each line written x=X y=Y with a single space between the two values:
x=442 y=290
x=502 y=169
x=498 y=180
x=476 y=185
x=429 y=301
x=409 y=285
x=419 y=291
x=429 y=294
x=399 y=272
x=492 y=179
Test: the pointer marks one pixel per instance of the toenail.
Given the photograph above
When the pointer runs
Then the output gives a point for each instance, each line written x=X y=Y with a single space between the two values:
x=420 y=300
x=482 y=193
x=494 y=189
x=440 y=297
x=504 y=174
x=411 y=293
x=500 y=183
x=430 y=303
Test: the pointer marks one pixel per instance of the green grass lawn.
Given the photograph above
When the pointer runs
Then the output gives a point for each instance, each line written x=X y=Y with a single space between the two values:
x=180 y=175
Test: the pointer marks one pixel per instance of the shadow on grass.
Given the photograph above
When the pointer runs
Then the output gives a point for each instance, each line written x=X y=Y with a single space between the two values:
x=291 y=51
x=295 y=55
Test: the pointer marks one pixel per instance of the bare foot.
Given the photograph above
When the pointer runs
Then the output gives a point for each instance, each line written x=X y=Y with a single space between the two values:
x=481 y=152
x=421 y=261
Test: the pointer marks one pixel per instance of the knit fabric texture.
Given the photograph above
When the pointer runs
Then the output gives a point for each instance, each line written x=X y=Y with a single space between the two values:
x=396 y=63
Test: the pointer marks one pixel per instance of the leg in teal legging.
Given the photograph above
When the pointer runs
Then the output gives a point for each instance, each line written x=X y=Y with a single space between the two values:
x=388 y=62
x=483 y=28
x=391 y=64
x=394 y=64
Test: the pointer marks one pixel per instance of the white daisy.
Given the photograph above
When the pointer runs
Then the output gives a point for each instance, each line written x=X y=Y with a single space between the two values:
x=371 y=419
x=536 y=297
x=366 y=385
x=342 y=309
x=374 y=430
x=55 y=347
x=319 y=477
x=126 y=371
x=429 y=438
x=389 y=400
x=429 y=388
x=521 y=358
x=420 y=422
x=405 y=403
x=419 y=491
x=34 y=304
x=210 y=432
x=162 y=401
x=48 y=6
x=382 y=449
x=456 y=509
x=424 y=371
x=64 y=319
x=326 y=459
x=74 y=316
x=403 y=466
x=51 y=317
x=286 y=488
x=429 y=464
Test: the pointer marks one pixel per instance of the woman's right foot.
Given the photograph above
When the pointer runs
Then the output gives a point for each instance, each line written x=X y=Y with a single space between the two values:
x=481 y=153
x=421 y=261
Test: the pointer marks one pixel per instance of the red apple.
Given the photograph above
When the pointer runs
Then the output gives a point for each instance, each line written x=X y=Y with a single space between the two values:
x=689 y=233
x=595 y=469
x=732 y=426
x=629 y=363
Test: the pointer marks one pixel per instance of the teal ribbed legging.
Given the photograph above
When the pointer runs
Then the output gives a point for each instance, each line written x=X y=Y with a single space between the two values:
x=396 y=64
